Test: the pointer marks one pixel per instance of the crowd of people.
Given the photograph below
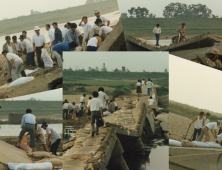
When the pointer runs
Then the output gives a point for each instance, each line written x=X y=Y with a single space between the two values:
x=143 y=83
x=203 y=127
x=68 y=39
x=95 y=106
x=30 y=127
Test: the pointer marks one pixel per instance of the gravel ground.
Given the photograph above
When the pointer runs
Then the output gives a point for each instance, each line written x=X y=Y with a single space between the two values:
x=179 y=125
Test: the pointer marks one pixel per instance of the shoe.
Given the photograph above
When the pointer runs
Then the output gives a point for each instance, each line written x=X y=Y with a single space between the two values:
x=93 y=134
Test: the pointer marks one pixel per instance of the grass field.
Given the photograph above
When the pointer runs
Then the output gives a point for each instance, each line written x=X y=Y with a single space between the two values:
x=143 y=27
x=60 y=16
x=39 y=108
x=190 y=111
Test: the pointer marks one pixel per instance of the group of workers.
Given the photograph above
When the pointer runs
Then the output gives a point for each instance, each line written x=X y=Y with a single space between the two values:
x=143 y=83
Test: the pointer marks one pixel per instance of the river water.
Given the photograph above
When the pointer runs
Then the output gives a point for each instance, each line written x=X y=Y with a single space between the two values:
x=162 y=42
x=14 y=130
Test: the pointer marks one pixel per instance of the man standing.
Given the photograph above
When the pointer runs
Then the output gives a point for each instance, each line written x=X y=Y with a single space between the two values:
x=17 y=45
x=54 y=138
x=205 y=131
x=25 y=35
x=198 y=126
x=72 y=35
x=16 y=62
x=51 y=35
x=95 y=106
x=87 y=27
x=82 y=102
x=38 y=41
x=10 y=48
x=30 y=57
x=104 y=20
x=157 y=32
x=182 y=31
x=65 y=109
x=28 y=125
x=95 y=28
x=58 y=33
x=149 y=86
x=103 y=97
x=60 y=47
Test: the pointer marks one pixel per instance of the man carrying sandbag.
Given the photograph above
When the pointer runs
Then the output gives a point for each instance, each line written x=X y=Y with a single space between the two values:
x=16 y=64
x=205 y=131
x=54 y=138
x=96 y=108
x=28 y=125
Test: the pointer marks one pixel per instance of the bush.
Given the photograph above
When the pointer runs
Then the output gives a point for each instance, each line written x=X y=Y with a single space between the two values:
x=162 y=91
x=118 y=92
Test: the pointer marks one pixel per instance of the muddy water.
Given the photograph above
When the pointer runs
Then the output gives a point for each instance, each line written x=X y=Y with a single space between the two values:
x=113 y=17
x=162 y=42
x=14 y=130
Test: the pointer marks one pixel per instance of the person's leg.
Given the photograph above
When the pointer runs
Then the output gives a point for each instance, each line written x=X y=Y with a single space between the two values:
x=64 y=113
x=13 y=74
x=207 y=136
x=41 y=60
x=195 y=134
x=67 y=111
x=57 y=145
x=58 y=57
x=18 y=66
x=198 y=132
x=82 y=110
x=93 y=122
x=32 y=60
x=98 y=116
x=10 y=67
x=28 y=60
x=32 y=136
x=38 y=56
x=23 y=131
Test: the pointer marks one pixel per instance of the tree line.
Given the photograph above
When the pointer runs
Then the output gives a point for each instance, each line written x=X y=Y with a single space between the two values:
x=173 y=10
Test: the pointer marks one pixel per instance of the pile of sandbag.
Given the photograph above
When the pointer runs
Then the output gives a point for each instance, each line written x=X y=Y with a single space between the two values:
x=32 y=166
x=48 y=63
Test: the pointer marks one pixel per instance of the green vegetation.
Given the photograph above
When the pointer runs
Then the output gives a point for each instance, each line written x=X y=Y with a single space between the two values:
x=190 y=111
x=39 y=108
x=143 y=27
x=61 y=16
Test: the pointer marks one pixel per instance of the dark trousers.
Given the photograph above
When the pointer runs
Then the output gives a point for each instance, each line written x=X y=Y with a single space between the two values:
x=77 y=114
x=196 y=133
x=30 y=128
x=157 y=39
x=65 y=113
x=89 y=112
x=80 y=39
x=55 y=146
x=116 y=108
x=92 y=48
x=38 y=55
x=82 y=111
x=30 y=59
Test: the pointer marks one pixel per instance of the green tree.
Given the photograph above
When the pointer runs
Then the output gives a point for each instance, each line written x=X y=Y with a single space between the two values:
x=175 y=10
x=199 y=11
x=104 y=69
x=124 y=15
x=123 y=69
x=131 y=11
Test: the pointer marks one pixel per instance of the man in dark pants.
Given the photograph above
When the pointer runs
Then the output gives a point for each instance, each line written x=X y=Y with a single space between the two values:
x=54 y=138
x=96 y=108
x=58 y=33
x=38 y=41
x=65 y=109
x=28 y=125
x=157 y=32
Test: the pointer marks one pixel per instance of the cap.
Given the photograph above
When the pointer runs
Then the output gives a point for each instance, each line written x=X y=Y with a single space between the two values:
x=96 y=11
x=44 y=123
x=7 y=37
x=22 y=36
x=36 y=28
x=14 y=38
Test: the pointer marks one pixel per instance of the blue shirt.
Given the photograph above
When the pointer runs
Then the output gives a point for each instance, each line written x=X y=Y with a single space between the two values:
x=58 y=35
x=71 y=36
x=28 y=118
x=60 y=47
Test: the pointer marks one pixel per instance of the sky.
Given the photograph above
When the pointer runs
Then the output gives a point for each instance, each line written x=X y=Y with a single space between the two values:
x=134 y=61
x=52 y=95
x=195 y=84
x=15 y=8
x=157 y=6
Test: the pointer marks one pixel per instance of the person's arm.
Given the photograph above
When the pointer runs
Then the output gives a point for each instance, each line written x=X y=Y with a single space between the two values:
x=99 y=41
x=194 y=120
x=37 y=136
x=80 y=24
x=13 y=64
x=108 y=23
x=34 y=47
x=203 y=122
x=43 y=45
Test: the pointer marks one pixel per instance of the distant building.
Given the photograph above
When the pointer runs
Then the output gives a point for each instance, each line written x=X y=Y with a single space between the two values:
x=15 y=116
x=34 y=12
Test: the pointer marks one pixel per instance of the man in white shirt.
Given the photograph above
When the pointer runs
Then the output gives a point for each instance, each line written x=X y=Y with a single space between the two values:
x=77 y=109
x=65 y=107
x=16 y=62
x=82 y=104
x=51 y=35
x=28 y=125
x=103 y=97
x=95 y=28
x=149 y=86
x=96 y=108
x=87 y=27
x=17 y=45
x=104 y=20
x=104 y=31
x=38 y=41
x=157 y=32
x=151 y=101
x=205 y=131
x=30 y=57
x=54 y=138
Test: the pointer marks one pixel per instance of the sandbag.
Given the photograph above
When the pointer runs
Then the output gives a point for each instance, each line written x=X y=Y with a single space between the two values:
x=213 y=145
x=79 y=48
x=39 y=154
x=219 y=137
x=48 y=63
x=32 y=166
x=174 y=143
x=27 y=72
x=201 y=144
x=186 y=143
x=20 y=81
x=24 y=145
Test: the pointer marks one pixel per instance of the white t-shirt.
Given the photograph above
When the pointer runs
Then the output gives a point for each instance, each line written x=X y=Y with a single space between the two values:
x=93 y=42
x=199 y=123
x=212 y=125
x=138 y=83
x=143 y=82
x=78 y=108
x=206 y=121
x=54 y=135
x=10 y=49
x=65 y=106
x=38 y=40
x=82 y=99
x=149 y=84
x=26 y=44
x=18 y=46
x=95 y=104
x=64 y=32
x=16 y=58
x=151 y=101
x=105 y=30
x=104 y=20
x=51 y=37
x=70 y=106
x=157 y=30
x=103 y=97
x=39 y=131
x=87 y=28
